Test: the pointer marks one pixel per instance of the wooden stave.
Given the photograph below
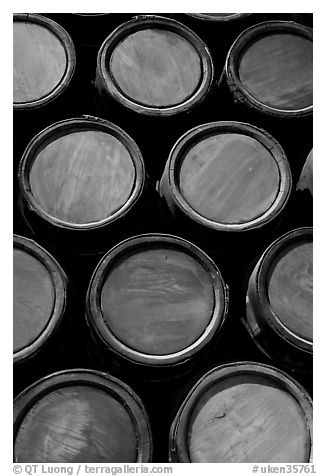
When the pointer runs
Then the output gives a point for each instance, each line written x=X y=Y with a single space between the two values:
x=229 y=74
x=63 y=235
x=306 y=178
x=293 y=353
x=59 y=318
x=111 y=353
x=300 y=210
x=216 y=238
x=124 y=393
x=107 y=90
x=61 y=33
x=178 y=452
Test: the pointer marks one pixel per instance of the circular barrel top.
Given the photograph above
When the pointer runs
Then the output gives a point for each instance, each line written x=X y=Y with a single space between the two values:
x=76 y=424
x=158 y=297
x=229 y=178
x=79 y=174
x=246 y=415
x=290 y=288
x=38 y=296
x=155 y=65
x=80 y=420
x=246 y=419
x=229 y=175
x=277 y=70
x=273 y=66
x=43 y=59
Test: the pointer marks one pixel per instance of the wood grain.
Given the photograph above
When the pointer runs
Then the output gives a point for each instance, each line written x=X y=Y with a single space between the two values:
x=39 y=61
x=82 y=177
x=156 y=67
x=157 y=301
x=229 y=178
x=33 y=298
x=246 y=419
x=277 y=70
x=290 y=289
x=76 y=424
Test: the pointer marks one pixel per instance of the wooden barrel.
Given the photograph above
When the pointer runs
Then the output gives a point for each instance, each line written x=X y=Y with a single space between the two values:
x=80 y=416
x=224 y=184
x=279 y=301
x=300 y=209
x=44 y=61
x=80 y=179
x=306 y=178
x=243 y=412
x=40 y=295
x=44 y=64
x=268 y=73
x=153 y=66
x=155 y=301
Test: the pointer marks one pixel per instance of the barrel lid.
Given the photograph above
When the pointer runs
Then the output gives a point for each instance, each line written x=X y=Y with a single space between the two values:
x=156 y=299
x=44 y=60
x=284 y=287
x=155 y=65
x=80 y=415
x=229 y=176
x=82 y=173
x=269 y=67
x=39 y=297
x=244 y=412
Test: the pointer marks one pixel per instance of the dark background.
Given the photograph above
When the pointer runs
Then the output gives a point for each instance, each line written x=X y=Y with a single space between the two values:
x=161 y=398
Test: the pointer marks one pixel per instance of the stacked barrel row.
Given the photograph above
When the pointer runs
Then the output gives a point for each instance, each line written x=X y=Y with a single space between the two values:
x=163 y=238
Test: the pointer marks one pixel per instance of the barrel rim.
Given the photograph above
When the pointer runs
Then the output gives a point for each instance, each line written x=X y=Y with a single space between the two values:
x=303 y=234
x=65 y=127
x=227 y=18
x=94 y=314
x=119 y=390
x=179 y=428
x=143 y=22
x=70 y=52
x=236 y=87
x=59 y=285
x=92 y=14
x=193 y=136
